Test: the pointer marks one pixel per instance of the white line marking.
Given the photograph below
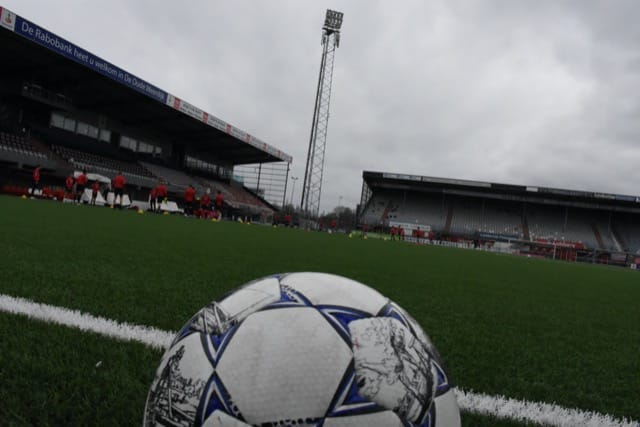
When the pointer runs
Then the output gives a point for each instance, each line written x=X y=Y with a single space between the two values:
x=152 y=337
x=537 y=412
x=497 y=406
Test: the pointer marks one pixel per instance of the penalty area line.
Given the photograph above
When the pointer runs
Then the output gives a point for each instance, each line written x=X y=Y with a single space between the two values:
x=478 y=403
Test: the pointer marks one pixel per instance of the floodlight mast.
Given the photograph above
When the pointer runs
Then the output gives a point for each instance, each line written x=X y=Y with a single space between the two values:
x=312 y=185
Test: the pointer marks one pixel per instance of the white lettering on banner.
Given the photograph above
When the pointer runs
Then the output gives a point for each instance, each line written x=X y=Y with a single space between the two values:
x=186 y=108
x=237 y=133
x=81 y=56
x=105 y=68
x=409 y=227
x=217 y=123
x=48 y=39
x=604 y=196
x=191 y=110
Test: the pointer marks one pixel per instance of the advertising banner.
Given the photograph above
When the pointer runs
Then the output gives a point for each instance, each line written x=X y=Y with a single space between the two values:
x=7 y=19
x=59 y=45
x=65 y=48
x=198 y=114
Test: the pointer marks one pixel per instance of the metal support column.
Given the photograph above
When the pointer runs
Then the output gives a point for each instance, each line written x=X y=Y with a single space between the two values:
x=312 y=185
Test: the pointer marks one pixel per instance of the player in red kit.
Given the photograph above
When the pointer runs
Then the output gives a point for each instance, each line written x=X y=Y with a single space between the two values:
x=95 y=188
x=68 y=184
x=81 y=184
x=161 y=194
x=205 y=205
x=118 y=184
x=153 y=196
x=36 y=180
x=219 y=203
x=189 y=198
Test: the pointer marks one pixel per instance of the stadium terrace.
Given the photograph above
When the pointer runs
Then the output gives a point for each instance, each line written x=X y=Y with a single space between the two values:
x=528 y=220
x=74 y=112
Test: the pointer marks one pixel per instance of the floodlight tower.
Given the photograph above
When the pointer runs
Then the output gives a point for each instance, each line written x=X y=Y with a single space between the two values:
x=312 y=186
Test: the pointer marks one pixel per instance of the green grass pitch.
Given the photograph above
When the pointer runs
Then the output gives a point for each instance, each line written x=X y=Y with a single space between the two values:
x=524 y=328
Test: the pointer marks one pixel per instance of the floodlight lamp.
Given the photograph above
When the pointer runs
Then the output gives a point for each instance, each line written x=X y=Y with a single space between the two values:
x=333 y=20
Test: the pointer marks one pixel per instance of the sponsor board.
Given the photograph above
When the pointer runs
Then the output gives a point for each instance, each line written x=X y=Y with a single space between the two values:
x=7 y=19
x=43 y=37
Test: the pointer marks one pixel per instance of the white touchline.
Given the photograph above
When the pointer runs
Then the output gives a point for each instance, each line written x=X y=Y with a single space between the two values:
x=538 y=412
x=498 y=406
x=152 y=337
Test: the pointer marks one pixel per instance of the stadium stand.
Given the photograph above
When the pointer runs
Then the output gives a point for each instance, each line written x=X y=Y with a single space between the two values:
x=502 y=218
x=545 y=222
x=175 y=179
x=374 y=211
x=20 y=145
x=471 y=216
x=466 y=216
x=134 y=172
x=571 y=224
x=626 y=228
x=243 y=198
x=235 y=196
x=410 y=207
x=105 y=123
x=565 y=224
x=602 y=226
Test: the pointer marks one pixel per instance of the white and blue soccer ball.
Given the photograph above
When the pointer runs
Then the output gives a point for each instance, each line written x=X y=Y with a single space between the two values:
x=302 y=349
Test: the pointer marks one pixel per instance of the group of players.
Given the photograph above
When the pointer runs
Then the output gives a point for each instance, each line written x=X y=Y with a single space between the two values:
x=202 y=207
x=76 y=186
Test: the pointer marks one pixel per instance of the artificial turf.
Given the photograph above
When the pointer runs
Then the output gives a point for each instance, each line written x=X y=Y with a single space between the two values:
x=526 y=328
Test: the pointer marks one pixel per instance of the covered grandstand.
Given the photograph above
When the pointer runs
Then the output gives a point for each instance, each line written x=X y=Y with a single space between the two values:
x=66 y=109
x=534 y=220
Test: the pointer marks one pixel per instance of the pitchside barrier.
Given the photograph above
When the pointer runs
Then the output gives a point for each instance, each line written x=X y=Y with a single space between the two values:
x=563 y=251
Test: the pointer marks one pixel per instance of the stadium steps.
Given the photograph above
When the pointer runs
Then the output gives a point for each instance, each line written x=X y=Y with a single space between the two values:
x=618 y=239
x=525 y=226
x=447 y=224
x=385 y=212
x=60 y=163
x=596 y=232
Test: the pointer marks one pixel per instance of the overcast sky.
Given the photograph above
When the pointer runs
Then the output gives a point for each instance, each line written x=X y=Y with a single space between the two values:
x=539 y=93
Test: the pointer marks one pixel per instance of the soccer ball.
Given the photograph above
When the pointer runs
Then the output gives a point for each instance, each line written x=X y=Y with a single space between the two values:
x=302 y=349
